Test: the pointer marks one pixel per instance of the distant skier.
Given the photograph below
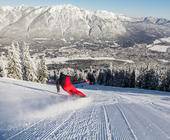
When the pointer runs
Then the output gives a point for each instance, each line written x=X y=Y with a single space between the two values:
x=65 y=82
x=91 y=78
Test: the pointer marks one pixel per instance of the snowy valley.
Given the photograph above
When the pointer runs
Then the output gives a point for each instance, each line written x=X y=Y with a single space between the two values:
x=72 y=32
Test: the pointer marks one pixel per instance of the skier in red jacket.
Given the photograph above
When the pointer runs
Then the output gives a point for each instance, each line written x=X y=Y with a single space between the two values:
x=66 y=84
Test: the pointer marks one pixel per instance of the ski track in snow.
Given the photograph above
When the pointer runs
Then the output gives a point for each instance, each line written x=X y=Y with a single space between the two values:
x=111 y=115
x=41 y=129
x=146 y=123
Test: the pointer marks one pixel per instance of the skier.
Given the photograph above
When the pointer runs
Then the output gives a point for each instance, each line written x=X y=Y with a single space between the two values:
x=91 y=78
x=65 y=82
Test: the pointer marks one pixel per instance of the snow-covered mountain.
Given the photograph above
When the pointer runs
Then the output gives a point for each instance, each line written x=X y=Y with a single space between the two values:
x=154 y=20
x=58 y=22
x=72 y=23
x=72 y=32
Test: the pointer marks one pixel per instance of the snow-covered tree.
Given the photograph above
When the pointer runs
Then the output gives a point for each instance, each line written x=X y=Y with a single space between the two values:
x=14 y=69
x=149 y=79
x=84 y=74
x=109 y=77
x=111 y=67
x=54 y=75
x=29 y=72
x=165 y=83
x=132 y=79
x=42 y=71
x=3 y=72
x=101 y=77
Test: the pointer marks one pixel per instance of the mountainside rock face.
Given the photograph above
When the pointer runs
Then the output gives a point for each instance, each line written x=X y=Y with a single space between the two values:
x=58 y=22
x=72 y=23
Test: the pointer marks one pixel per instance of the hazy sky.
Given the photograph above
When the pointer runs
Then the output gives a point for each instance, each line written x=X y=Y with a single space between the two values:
x=157 y=8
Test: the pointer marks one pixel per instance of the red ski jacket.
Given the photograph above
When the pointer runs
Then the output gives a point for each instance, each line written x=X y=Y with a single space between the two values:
x=66 y=84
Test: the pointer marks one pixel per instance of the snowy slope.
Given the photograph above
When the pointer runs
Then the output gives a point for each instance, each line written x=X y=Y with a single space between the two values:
x=34 y=111
x=160 y=45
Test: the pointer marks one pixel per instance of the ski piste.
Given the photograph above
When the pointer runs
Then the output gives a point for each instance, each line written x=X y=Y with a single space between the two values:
x=33 y=111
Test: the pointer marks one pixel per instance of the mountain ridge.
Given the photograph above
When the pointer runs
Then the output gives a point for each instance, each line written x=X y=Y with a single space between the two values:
x=70 y=23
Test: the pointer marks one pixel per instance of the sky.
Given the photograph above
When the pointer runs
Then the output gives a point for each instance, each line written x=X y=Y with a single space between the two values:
x=156 y=8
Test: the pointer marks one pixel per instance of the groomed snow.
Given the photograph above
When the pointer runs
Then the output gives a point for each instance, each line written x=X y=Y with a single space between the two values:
x=34 y=111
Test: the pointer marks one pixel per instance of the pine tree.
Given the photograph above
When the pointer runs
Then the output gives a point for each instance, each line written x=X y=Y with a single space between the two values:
x=120 y=78
x=132 y=79
x=126 y=81
x=84 y=75
x=100 y=79
x=29 y=73
x=115 y=75
x=3 y=72
x=148 y=80
x=42 y=71
x=151 y=80
x=165 y=84
x=54 y=76
x=91 y=78
x=14 y=69
x=109 y=78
